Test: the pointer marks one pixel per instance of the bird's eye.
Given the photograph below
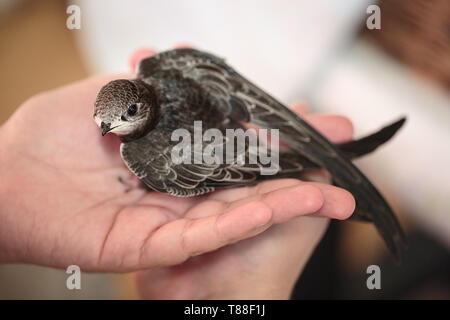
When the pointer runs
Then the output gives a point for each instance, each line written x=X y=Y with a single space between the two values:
x=132 y=109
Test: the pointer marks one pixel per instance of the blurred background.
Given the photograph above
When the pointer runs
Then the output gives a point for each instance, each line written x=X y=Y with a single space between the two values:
x=320 y=52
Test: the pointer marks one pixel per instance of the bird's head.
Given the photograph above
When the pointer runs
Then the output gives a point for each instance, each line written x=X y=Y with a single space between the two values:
x=124 y=107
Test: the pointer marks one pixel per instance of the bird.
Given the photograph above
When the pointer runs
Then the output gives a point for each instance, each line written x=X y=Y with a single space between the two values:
x=175 y=88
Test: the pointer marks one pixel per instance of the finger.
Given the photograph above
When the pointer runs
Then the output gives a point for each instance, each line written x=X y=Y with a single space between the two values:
x=337 y=129
x=175 y=242
x=183 y=45
x=300 y=108
x=137 y=56
x=317 y=175
x=337 y=202
x=311 y=199
x=288 y=202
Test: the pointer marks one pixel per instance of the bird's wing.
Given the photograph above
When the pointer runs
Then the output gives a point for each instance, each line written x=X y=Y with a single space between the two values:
x=238 y=98
x=153 y=162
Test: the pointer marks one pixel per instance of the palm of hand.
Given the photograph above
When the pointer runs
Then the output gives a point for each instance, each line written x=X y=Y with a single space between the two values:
x=79 y=212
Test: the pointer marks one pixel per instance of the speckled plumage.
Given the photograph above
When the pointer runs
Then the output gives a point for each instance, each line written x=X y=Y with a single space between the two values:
x=176 y=87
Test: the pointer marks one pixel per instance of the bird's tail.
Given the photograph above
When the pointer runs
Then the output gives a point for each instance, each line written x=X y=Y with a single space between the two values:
x=368 y=205
x=357 y=148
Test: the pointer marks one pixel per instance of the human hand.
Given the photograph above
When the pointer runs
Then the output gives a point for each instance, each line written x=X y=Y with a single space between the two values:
x=62 y=202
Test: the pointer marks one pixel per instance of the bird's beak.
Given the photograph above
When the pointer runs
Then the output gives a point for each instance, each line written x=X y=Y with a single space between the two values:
x=105 y=128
